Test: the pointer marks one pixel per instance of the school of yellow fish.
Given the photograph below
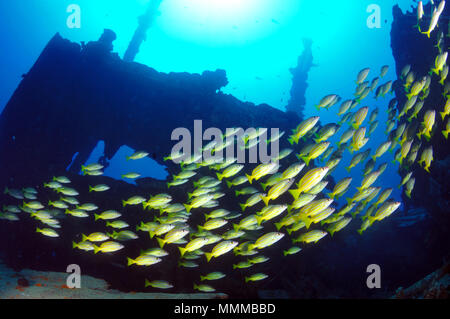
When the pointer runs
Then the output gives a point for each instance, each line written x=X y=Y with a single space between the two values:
x=307 y=217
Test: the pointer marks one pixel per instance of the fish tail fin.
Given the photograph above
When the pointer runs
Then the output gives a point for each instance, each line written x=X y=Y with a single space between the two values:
x=242 y=206
x=427 y=168
x=229 y=184
x=208 y=256
x=219 y=176
x=331 y=195
x=161 y=242
x=263 y=186
x=295 y=193
x=285 y=253
x=291 y=140
x=250 y=178
x=306 y=159
x=289 y=231
x=74 y=245
x=182 y=251
x=278 y=225
x=147 y=283
x=130 y=261
x=96 y=217
x=360 y=231
x=188 y=207
x=83 y=237
x=359 y=189
x=151 y=234
x=96 y=249
x=259 y=220
x=445 y=133
x=409 y=96
x=265 y=199
x=442 y=115
x=348 y=168
x=307 y=221
x=124 y=203
x=247 y=279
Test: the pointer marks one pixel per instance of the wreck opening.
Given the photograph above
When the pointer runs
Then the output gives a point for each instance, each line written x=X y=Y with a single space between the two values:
x=119 y=165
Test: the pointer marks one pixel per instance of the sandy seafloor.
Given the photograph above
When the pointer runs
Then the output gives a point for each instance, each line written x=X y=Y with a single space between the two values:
x=31 y=284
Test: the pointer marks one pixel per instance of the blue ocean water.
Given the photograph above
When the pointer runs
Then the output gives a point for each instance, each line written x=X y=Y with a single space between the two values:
x=257 y=42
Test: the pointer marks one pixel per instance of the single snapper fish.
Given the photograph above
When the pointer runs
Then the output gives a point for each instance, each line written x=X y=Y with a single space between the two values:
x=230 y=171
x=301 y=201
x=107 y=215
x=213 y=276
x=362 y=75
x=144 y=260
x=158 y=201
x=277 y=190
x=302 y=129
x=91 y=167
x=77 y=213
x=266 y=240
x=131 y=175
x=325 y=101
x=67 y=191
x=137 y=155
x=270 y=212
x=309 y=180
x=360 y=116
x=256 y=277
x=384 y=211
x=108 y=247
x=221 y=248
x=340 y=188
x=204 y=288
x=315 y=152
x=427 y=124
x=426 y=158
x=253 y=200
x=199 y=201
x=47 y=232
x=135 y=200
x=61 y=179
x=99 y=188
x=172 y=236
x=339 y=225
x=84 y=245
x=95 y=237
x=447 y=129
x=311 y=236
x=160 y=284
x=262 y=170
